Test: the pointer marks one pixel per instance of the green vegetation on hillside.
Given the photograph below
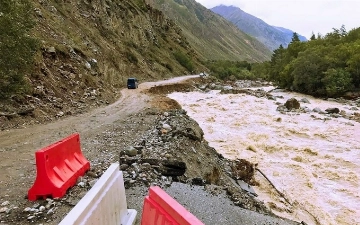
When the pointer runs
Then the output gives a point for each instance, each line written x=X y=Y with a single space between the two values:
x=324 y=66
x=17 y=48
x=231 y=70
x=184 y=60
x=211 y=36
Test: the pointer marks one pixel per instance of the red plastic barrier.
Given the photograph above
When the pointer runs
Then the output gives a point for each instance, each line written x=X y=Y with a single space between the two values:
x=58 y=166
x=161 y=209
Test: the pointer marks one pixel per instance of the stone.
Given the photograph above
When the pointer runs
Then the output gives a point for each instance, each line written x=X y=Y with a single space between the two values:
x=242 y=169
x=31 y=217
x=38 y=12
x=332 y=110
x=3 y=209
x=318 y=110
x=42 y=208
x=136 y=167
x=72 y=76
x=51 y=50
x=292 y=103
x=87 y=66
x=246 y=187
x=146 y=166
x=60 y=114
x=132 y=181
x=305 y=100
x=93 y=62
x=5 y=203
x=93 y=182
x=306 y=109
x=281 y=108
x=92 y=174
x=124 y=167
x=166 y=126
x=51 y=211
x=131 y=151
x=139 y=147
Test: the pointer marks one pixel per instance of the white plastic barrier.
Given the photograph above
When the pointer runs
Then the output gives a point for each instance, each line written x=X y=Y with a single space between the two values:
x=104 y=204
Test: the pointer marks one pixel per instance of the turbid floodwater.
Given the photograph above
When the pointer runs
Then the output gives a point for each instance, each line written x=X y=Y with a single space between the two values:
x=311 y=158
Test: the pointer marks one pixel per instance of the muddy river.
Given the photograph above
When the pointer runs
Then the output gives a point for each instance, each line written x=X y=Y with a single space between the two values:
x=313 y=159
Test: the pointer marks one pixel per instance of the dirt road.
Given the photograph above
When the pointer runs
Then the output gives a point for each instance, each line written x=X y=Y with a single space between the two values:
x=17 y=146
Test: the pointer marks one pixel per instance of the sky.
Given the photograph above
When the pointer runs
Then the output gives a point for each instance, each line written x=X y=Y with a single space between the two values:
x=301 y=16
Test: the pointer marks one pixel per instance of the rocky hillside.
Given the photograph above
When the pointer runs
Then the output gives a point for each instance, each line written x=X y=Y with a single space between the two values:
x=270 y=36
x=212 y=36
x=88 y=49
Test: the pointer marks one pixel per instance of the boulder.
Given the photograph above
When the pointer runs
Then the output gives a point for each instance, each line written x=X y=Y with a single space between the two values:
x=305 y=100
x=242 y=170
x=332 y=110
x=292 y=103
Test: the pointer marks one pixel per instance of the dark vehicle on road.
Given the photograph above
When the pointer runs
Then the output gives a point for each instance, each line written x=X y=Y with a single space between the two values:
x=132 y=83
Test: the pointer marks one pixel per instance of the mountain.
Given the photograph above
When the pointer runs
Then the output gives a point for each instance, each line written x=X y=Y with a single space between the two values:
x=270 y=36
x=209 y=34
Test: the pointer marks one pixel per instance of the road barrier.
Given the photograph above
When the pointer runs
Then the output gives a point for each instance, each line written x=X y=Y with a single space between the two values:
x=161 y=209
x=105 y=203
x=58 y=166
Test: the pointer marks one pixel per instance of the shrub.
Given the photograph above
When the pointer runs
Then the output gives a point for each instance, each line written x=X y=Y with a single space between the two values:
x=184 y=60
x=16 y=46
x=131 y=57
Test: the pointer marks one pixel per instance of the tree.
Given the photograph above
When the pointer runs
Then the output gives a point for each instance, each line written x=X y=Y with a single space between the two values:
x=312 y=38
x=16 y=46
x=277 y=62
x=295 y=38
x=336 y=81
x=308 y=71
x=353 y=64
x=295 y=46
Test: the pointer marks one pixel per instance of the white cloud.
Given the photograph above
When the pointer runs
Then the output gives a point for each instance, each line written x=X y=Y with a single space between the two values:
x=302 y=16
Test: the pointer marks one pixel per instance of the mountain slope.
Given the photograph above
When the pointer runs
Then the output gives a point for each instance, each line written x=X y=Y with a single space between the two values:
x=89 y=49
x=210 y=35
x=270 y=36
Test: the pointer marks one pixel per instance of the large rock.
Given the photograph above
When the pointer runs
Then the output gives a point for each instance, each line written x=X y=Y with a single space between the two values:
x=194 y=132
x=305 y=100
x=242 y=170
x=332 y=110
x=292 y=103
x=131 y=151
